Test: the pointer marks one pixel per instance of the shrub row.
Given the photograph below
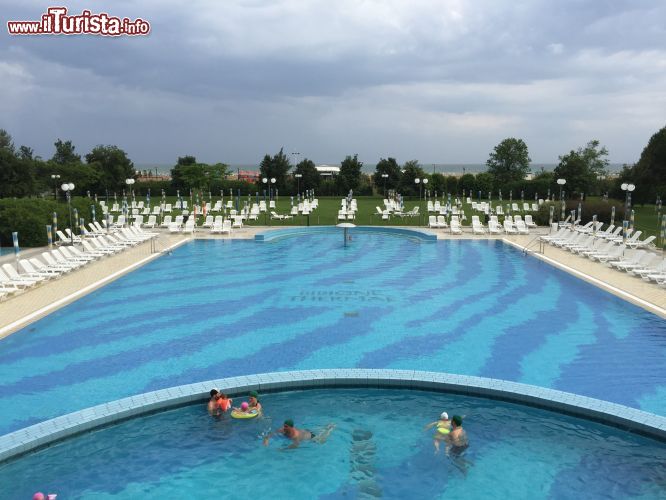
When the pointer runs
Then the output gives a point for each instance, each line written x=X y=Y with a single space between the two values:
x=602 y=209
x=30 y=216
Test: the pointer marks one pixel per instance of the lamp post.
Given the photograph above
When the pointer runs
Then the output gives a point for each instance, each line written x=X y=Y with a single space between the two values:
x=130 y=184
x=298 y=182
x=561 y=183
x=55 y=178
x=68 y=188
x=266 y=182
x=627 y=188
x=296 y=154
x=420 y=183
x=384 y=176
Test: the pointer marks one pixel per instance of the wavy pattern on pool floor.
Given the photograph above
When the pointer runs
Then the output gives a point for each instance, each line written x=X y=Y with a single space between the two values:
x=219 y=308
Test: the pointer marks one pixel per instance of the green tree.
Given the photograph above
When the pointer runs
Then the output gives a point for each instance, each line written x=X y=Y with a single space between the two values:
x=649 y=174
x=484 y=183
x=6 y=142
x=16 y=174
x=509 y=161
x=467 y=183
x=310 y=177
x=350 y=174
x=411 y=171
x=112 y=167
x=389 y=167
x=274 y=167
x=188 y=174
x=582 y=168
x=25 y=153
x=64 y=154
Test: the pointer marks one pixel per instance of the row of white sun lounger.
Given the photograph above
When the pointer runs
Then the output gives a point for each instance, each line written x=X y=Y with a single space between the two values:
x=64 y=259
x=510 y=225
x=611 y=248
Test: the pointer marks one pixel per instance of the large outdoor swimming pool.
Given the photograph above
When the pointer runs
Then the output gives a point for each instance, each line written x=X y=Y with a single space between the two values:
x=379 y=448
x=220 y=308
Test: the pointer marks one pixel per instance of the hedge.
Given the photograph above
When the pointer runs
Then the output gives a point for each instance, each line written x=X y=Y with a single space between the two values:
x=600 y=208
x=30 y=216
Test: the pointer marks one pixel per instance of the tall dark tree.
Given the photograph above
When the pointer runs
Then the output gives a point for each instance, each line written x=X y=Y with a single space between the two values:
x=25 y=153
x=350 y=174
x=274 y=167
x=64 y=154
x=6 y=140
x=67 y=163
x=188 y=174
x=411 y=171
x=388 y=167
x=310 y=177
x=16 y=174
x=509 y=161
x=112 y=166
x=582 y=168
x=649 y=174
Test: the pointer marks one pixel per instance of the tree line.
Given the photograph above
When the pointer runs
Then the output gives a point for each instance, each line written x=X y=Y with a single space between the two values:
x=107 y=166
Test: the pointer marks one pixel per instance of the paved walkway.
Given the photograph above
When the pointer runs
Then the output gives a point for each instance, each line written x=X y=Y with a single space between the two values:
x=31 y=305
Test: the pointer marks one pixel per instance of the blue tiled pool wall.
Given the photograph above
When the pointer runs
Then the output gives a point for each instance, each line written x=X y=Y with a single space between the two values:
x=222 y=308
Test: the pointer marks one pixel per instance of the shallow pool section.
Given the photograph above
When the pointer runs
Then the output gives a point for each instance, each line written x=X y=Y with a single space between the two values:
x=379 y=448
x=216 y=308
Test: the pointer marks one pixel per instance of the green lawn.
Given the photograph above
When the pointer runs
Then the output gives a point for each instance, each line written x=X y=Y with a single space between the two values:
x=326 y=214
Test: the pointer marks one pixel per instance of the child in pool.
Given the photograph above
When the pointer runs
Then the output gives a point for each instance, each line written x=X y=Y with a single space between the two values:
x=442 y=429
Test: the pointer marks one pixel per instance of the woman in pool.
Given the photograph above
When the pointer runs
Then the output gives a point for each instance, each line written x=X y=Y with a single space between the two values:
x=253 y=401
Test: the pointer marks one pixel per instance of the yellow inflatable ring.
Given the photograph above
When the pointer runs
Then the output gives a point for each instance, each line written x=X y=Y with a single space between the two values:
x=244 y=414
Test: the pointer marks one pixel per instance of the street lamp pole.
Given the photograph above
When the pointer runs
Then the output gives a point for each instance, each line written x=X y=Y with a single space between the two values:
x=561 y=183
x=298 y=182
x=384 y=176
x=627 y=188
x=68 y=188
x=130 y=184
x=55 y=178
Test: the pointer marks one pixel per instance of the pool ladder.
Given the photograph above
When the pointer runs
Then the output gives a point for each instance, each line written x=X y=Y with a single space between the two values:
x=542 y=246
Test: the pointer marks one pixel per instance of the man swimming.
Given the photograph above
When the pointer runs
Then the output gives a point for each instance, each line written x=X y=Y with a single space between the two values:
x=298 y=435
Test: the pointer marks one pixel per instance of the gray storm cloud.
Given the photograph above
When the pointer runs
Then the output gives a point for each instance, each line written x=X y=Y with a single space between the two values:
x=439 y=81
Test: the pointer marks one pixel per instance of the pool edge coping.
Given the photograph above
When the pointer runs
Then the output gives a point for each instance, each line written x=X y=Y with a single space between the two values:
x=43 y=434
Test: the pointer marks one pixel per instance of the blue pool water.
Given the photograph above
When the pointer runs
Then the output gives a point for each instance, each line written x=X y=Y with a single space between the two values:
x=221 y=308
x=378 y=448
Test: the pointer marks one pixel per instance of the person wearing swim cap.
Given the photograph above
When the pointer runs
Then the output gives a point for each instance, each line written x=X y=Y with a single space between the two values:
x=253 y=401
x=442 y=428
x=297 y=435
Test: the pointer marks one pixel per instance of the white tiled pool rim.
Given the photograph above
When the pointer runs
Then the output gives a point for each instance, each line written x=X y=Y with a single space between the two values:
x=45 y=433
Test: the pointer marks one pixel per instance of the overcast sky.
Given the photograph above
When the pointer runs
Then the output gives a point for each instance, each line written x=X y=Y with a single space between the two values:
x=438 y=81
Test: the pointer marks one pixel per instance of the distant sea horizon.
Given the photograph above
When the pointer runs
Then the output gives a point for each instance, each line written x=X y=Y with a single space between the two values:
x=429 y=168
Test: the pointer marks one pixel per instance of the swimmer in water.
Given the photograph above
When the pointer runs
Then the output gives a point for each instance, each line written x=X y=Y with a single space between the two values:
x=442 y=430
x=298 y=435
x=456 y=444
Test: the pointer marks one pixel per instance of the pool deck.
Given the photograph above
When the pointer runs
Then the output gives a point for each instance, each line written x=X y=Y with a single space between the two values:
x=31 y=305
